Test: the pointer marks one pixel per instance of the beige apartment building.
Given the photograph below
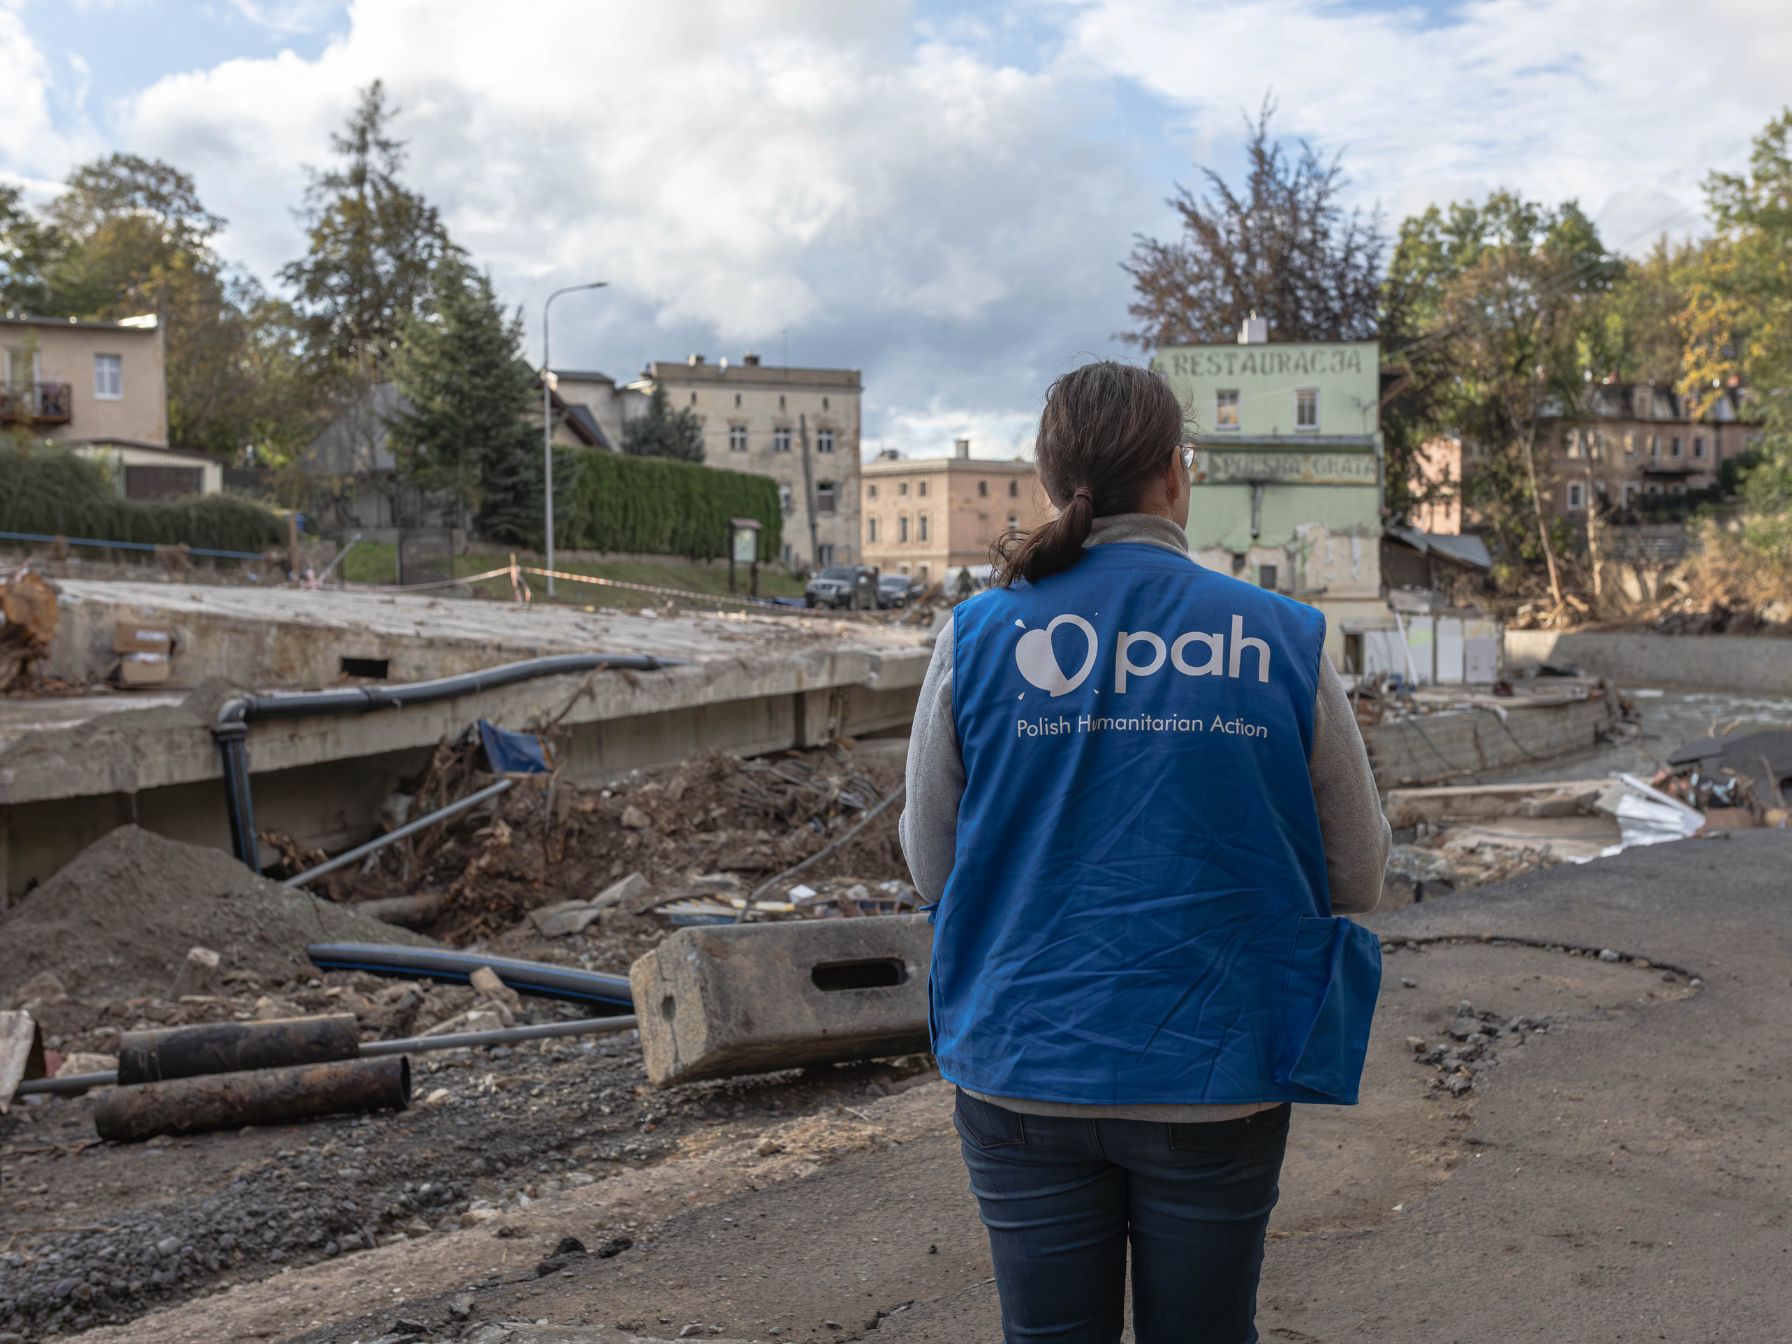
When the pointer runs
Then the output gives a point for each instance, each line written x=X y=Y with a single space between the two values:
x=932 y=516
x=84 y=382
x=799 y=426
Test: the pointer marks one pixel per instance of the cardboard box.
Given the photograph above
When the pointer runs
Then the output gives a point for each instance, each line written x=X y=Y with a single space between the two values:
x=144 y=669
x=142 y=637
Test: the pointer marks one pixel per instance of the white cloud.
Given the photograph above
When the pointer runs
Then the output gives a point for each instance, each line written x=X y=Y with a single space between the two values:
x=943 y=203
x=287 y=16
x=735 y=170
x=1623 y=107
x=38 y=145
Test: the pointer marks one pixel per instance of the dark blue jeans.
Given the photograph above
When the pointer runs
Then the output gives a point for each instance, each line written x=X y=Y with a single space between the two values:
x=1063 y=1198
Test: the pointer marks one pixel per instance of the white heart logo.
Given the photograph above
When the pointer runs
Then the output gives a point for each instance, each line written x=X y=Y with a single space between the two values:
x=1039 y=665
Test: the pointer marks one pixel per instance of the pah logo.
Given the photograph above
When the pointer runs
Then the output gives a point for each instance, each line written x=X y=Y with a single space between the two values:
x=1038 y=663
x=1037 y=660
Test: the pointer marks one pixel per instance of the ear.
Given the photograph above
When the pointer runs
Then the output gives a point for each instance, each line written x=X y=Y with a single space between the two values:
x=1175 y=480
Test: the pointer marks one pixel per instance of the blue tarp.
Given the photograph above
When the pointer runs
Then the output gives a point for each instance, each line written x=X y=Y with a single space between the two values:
x=508 y=753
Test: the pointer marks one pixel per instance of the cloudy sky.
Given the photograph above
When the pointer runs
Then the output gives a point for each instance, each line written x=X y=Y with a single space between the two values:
x=938 y=194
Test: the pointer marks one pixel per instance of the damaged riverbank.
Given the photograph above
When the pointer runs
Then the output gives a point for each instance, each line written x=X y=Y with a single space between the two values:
x=1593 y=1161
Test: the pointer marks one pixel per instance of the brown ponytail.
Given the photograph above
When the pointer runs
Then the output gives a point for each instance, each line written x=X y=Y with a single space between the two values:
x=1106 y=428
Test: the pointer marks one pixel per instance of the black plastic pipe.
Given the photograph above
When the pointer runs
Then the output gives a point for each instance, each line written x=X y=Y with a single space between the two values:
x=456 y=968
x=231 y=727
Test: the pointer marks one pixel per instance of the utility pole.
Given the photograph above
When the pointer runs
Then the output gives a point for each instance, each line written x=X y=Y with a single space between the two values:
x=547 y=419
x=802 y=424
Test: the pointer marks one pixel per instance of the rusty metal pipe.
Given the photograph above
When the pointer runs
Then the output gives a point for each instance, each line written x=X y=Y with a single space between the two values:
x=72 y=1083
x=235 y=1047
x=270 y=1097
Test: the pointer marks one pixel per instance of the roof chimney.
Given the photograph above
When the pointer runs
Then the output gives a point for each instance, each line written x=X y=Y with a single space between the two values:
x=693 y=360
x=1253 y=330
x=961 y=449
x=750 y=359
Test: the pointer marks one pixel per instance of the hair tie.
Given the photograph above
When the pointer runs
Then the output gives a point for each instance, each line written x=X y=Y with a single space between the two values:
x=1083 y=492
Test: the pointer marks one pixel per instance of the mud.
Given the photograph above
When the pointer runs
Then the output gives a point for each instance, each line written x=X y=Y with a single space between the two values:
x=95 y=1233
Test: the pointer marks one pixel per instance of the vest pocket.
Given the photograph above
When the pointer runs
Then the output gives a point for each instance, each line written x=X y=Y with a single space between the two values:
x=1334 y=975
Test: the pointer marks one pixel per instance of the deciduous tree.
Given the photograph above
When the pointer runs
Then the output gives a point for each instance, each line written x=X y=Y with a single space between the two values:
x=1282 y=246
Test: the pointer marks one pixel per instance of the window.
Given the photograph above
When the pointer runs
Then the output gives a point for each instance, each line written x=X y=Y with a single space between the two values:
x=902 y=487
x=1013 y=489
x=824 y=403
x=824 y=555
x=1266 y=577
x=693 y=398
x=1306 y=408
x=824 y=440
x=1655 y=445
x=108 y=377
x=1629 y=492
x=871 y=491
x=983 y=489
x=1653 y=488
x=871 y=529
x=902 y=527
x=786 y=502
x=1629 y=443
x=737 y=401
x=1674 y=447
x=1577 y=496
x=824 y=496
x=1013 y=522
x=1698 y=445
x=780 y=401
x=921 y=528
x=921 y=488
x=737 y=438
x=1225 y=408
x=1571 y=443
x=781 y=439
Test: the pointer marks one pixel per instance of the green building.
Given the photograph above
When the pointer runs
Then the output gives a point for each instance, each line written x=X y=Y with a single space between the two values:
x=1288 y=480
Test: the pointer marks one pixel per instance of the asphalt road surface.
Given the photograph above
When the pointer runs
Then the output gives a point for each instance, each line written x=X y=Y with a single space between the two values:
x=1620 y=1175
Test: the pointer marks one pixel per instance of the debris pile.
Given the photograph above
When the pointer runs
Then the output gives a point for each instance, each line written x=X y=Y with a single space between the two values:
x=28 y=618
x=554 y=870
x=1471 y=1046
x=1455 y=838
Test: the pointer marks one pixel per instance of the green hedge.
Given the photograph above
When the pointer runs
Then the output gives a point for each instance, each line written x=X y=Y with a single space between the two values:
x=49 y=490
x=654 y=506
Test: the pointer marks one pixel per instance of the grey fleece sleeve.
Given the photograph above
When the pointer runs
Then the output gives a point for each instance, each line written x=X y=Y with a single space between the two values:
x=935 y=778
x=1351 y=823
x=1350 y=819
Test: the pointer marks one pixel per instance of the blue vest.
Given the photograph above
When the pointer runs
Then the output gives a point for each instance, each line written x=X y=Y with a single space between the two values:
x=1138 y=908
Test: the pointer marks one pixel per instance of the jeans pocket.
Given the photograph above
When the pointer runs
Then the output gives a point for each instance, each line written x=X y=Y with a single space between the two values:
x=1226 y=1138
x=986 y=1125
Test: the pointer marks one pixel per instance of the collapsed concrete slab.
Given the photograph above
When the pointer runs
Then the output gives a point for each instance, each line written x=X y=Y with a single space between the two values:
x=71 y=769
x=719 y=1000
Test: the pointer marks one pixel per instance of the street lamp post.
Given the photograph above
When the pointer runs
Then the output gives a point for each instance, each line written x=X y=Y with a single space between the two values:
x=547 y=416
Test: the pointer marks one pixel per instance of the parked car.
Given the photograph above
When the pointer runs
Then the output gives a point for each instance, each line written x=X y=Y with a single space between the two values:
x=843 y=586
x=895 y=590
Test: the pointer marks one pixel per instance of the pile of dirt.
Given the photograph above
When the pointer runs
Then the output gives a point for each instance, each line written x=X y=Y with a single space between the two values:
x=118 y=920
x=714 y=817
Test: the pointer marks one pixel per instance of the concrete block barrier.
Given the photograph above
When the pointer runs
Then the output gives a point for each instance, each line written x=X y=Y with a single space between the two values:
x=719 y=1000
